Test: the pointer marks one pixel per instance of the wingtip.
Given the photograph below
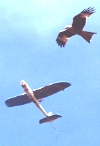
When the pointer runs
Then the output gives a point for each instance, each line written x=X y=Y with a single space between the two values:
x=89 y=10
x=68 y=84
x=7 y=103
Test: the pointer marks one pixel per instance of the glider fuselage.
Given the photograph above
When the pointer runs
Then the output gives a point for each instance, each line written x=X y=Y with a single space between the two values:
x=36 y=96
x=31 y=95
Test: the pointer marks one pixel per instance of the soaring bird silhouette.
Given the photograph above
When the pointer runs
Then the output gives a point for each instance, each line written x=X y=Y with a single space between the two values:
x=77 y=26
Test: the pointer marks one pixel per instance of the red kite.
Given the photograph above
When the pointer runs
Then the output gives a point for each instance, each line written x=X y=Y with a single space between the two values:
x=79 y=22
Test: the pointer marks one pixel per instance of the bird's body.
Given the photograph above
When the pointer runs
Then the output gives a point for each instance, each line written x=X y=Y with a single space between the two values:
x=77 y=26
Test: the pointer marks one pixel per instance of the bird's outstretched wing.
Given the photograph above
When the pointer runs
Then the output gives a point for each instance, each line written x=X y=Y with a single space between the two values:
x=80 y=19
x=87 y=12
x=63 y=37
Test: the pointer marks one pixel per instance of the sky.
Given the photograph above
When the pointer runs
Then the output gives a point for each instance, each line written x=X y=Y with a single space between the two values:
x=28 y=51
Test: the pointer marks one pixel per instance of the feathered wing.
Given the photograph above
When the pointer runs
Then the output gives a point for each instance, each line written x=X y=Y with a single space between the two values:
x=77 y=28
x=63 y=37
x=80 y=19
x=87 y=12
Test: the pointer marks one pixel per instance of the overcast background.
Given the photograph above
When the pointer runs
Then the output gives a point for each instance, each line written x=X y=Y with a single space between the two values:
x=28 y=50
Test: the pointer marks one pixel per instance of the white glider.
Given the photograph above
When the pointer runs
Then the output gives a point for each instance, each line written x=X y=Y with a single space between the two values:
x=36 y=96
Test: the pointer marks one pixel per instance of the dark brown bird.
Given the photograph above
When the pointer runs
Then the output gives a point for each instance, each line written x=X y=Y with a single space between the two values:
x=77 y=26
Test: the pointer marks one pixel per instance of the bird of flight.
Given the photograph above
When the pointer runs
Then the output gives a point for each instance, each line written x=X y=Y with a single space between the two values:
x=36 y=96
x=77 y=26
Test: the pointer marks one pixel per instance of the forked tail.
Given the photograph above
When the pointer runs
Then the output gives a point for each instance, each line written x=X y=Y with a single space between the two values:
x=87 y=35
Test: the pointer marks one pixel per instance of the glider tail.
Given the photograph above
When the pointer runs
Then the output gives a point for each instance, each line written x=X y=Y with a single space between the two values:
x=87 y=35
x=50 y=118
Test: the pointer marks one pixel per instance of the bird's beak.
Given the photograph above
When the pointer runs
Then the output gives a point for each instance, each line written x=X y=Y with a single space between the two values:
x=68 y=26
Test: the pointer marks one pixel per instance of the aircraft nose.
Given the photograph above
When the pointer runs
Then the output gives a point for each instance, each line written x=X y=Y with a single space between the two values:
x=23 y=83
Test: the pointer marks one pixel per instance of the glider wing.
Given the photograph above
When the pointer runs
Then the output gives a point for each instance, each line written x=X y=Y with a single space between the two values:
x=39 y=94
x=51 y=89
x=18 y=100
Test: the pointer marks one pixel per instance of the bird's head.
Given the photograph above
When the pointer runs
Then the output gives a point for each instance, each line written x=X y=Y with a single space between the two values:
x=68 y=26
x=85 y=15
